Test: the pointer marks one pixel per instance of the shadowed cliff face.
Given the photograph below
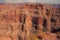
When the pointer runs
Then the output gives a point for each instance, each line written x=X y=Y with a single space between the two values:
x=29 y=21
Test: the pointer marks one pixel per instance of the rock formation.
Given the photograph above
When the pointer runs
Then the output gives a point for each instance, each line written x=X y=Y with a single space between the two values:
x=29 y=21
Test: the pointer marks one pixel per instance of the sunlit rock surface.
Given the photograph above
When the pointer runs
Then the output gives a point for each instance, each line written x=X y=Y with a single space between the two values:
x=29 y=21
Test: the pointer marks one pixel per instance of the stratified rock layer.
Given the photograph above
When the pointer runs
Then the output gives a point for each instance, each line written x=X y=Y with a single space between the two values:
x=29 y=22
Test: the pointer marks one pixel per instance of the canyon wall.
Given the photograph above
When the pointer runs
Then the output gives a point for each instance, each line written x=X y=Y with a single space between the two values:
x=29 y=22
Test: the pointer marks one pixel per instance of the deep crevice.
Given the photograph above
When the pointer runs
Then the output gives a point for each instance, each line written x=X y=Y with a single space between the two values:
x=44 y=23
x=40 y=38
x=36 y=12
x=35 y=22
x=19 y=38
x=22 y=27
x=55 y=30
x=53 y=20
x=22 y=20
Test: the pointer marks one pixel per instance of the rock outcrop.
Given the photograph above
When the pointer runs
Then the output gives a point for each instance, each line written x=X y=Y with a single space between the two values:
x=29 y=22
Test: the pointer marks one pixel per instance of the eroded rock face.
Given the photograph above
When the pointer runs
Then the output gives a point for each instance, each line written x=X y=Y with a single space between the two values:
x=29 y=22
